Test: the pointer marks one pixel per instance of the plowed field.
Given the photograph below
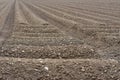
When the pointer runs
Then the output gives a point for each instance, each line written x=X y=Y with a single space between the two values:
x=59 y=40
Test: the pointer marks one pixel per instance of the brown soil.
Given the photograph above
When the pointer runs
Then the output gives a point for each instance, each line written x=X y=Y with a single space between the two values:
x=59 y=40
x=54 y=69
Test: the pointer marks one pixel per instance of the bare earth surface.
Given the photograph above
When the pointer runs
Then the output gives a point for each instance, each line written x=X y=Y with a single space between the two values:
x=59 y=40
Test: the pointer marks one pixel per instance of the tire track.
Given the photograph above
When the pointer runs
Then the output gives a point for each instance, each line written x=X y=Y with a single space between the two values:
x=83 y=13
x=97 y=5
x=97 y=17
x=8 y=24
x=69 y=27
x=43 y=21
x=92 y=15
x=32 y=18
x=94 y=11
x=3 y=14
x=51 y=18
x=79 y=19
x=67 y=15
x=19 y=16
x=43 y=46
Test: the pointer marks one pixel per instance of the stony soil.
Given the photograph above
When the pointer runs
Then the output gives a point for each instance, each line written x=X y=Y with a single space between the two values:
x=59 y=40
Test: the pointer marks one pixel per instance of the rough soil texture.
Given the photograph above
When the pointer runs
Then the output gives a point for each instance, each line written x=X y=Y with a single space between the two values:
x=59 y=40
x=54 y=69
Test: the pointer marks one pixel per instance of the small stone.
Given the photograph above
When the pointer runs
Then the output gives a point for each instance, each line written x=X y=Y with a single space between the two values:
x=113 y=65
x=85 y=47
x=83 y=69
x=92 y=50
x=115 y=71
x=93 y=77
x=18 y=47
x=105 y=71
x=40 y=60
x=46 y=68
x=14 y=50
x=2 y=50
x=10 y=63
x=112 y=77
x=23 y=51
x=102 y=73
x=31 y=50
x=48 y=75
x=59 y=54
x=18 y=59
x=36 y=69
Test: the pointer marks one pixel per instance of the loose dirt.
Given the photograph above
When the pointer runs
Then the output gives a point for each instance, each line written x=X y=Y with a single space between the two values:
x=59 y=40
